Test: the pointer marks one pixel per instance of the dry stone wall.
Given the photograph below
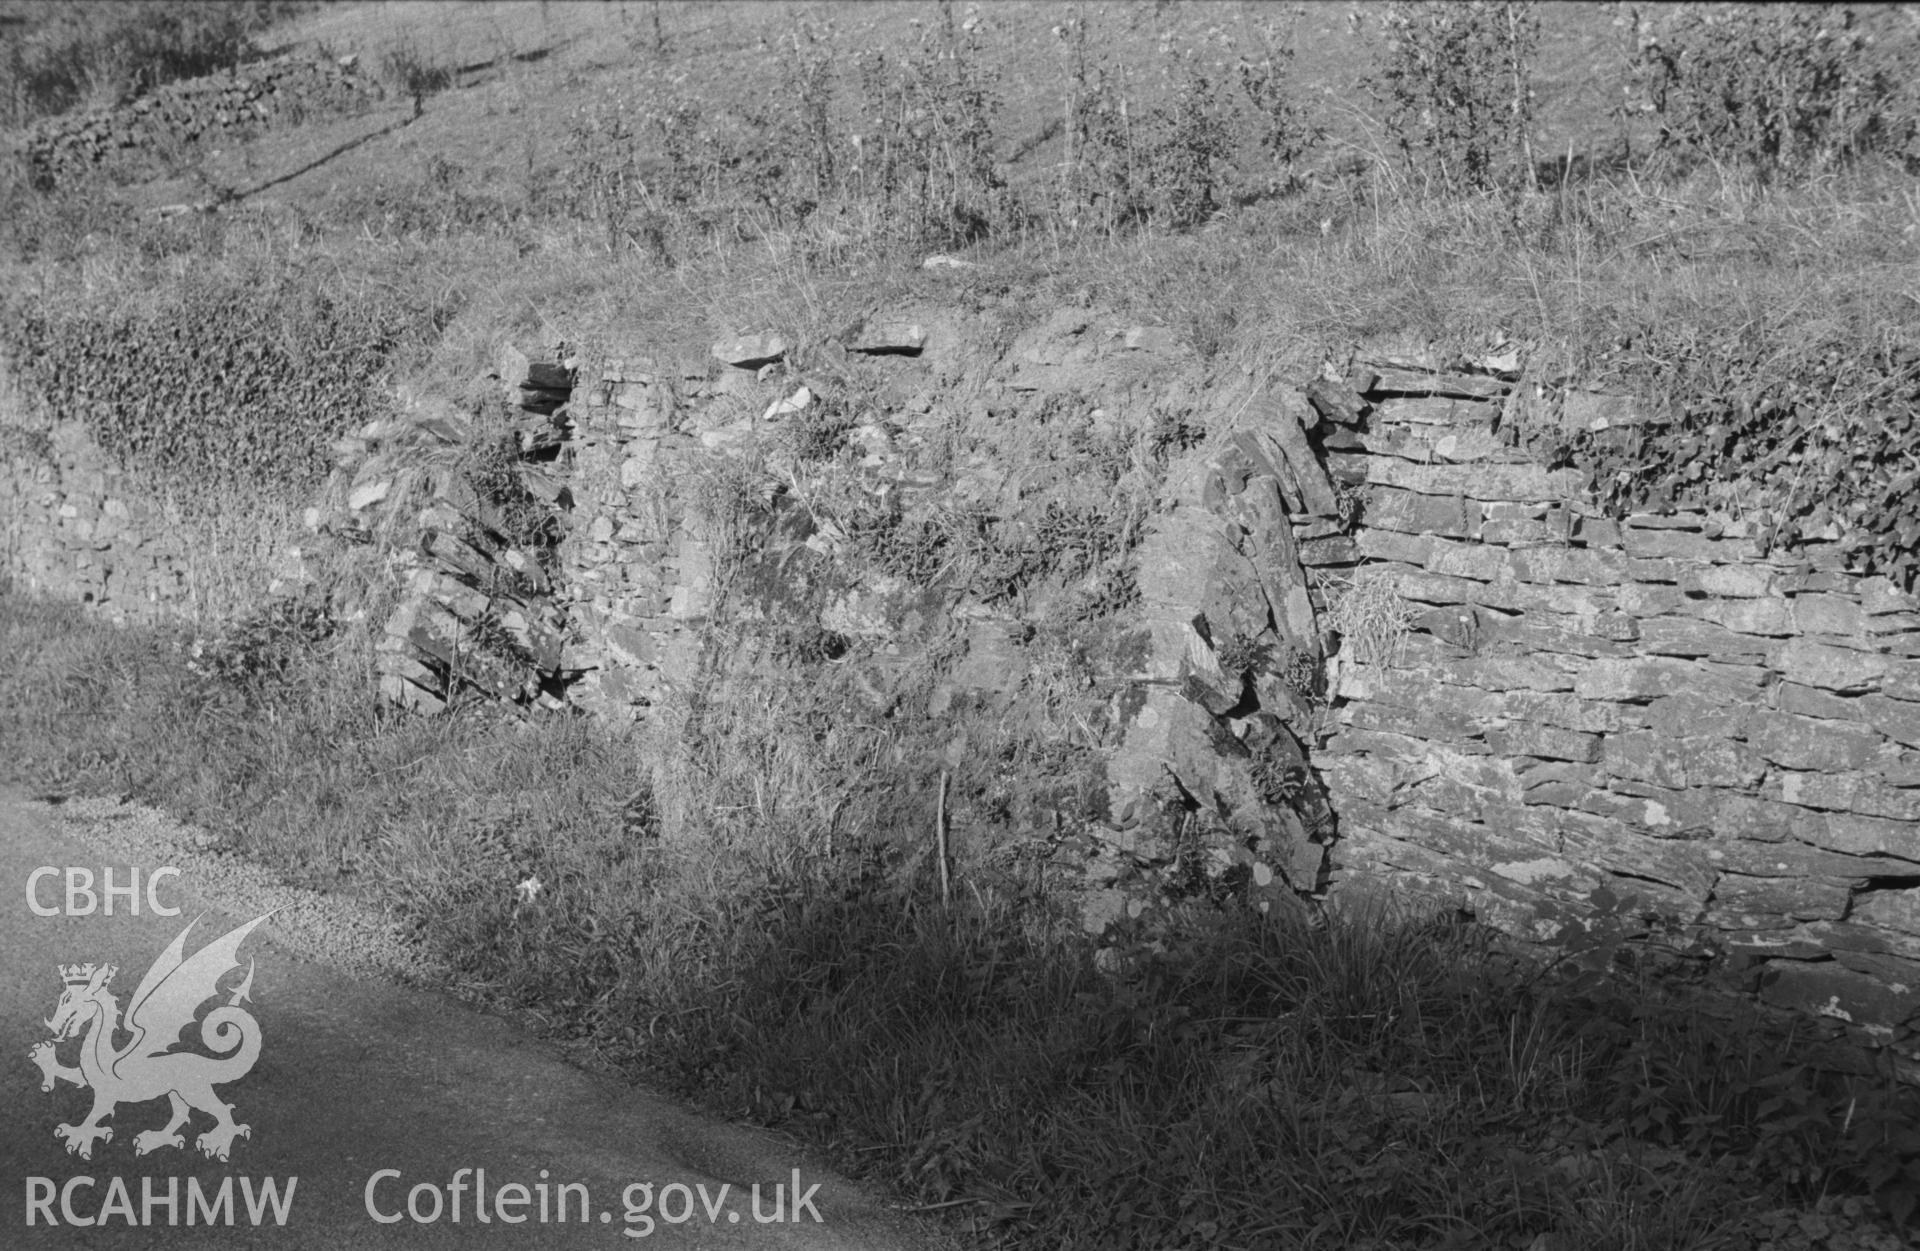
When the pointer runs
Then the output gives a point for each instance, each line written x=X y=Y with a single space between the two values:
x=79 y=528
x=253 y=96
x=1233 y=630
x=1546 y=700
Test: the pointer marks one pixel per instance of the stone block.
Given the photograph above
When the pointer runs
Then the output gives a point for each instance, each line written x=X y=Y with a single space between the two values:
x=1474 y=561
x=1793 y=860
x=631 y=646
x=1558 y=794
x=1895 y=909
x=1465 y=784
x=1863 y=836
x=1390 y=380
x=1472 y=845
x=1479 y=482
x=1434 y=588
x=1618 y=627
x=1398 y=747
x=1847 y=792
x=905 y=337
x=1393 y=545
x=1512 y=673
x=1687 y=713
x=1730 y=814
x=1643 y=756
x=1829 y=668
x=1433 y=410
x=1415 y=723
x=1566 y=711
x=1569 y=564
x=1467 y=446
x=1370 y=778
x=1892 y=971
x=1669 y=544
x=1389 y=508
x=1898 y=719
x=1879 y=595
x=1659 y=571
x=1848 y=936
x=1729 y=581
x=1755 y=900
x=1540 y=632
x=1516 y=532
x=1829 y=614
x=1827 y=989
x=1690 y=636
x=1648 y=601
x=1810 y=702
x=1601 y=532
x=1607 y=844
x=750 y=351
x=1902 y=680
x=1457 y=624
x=1634 y=680
x=1718 y=762
x=1769 y=616
x=1654 y=815
x=1796 y=742
x=1336 y=549
x=1531 y=738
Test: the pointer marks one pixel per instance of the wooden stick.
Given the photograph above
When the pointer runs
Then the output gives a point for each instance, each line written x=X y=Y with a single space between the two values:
x=940 y=842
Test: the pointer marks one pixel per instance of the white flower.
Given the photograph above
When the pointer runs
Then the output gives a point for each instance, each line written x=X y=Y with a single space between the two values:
x=530 y=889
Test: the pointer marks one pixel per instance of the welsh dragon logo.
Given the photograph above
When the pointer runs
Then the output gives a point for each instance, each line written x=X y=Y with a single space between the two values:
x=147 y=1066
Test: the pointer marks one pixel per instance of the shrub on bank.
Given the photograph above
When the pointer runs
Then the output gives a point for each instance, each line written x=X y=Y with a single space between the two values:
x=224 y=378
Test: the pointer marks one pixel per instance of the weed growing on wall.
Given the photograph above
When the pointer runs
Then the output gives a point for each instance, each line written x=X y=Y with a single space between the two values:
x=1455 y=81
x=1781 y=90
x=1371 y=619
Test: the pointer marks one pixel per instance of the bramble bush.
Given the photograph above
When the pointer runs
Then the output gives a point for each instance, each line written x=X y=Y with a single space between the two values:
x=1456 y=83
x=1781 y=90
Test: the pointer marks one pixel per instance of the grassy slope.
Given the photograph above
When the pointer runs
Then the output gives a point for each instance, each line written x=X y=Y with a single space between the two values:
x=1368 y=1085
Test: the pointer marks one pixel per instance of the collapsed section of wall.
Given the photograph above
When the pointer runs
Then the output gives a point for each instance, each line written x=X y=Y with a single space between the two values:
x=1014 y=544
x=79 y=528
x=1532 y=701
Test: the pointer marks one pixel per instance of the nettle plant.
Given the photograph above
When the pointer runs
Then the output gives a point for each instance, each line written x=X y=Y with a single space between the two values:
x=926 y=148
x=1780 y=90
x=1455 y=80
x=1176 y=154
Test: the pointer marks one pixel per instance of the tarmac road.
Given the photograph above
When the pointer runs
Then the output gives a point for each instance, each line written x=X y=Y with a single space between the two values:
x=356 y=1077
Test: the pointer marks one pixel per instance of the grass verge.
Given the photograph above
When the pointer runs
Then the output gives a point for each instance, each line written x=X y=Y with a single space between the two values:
x=1376 y=1082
